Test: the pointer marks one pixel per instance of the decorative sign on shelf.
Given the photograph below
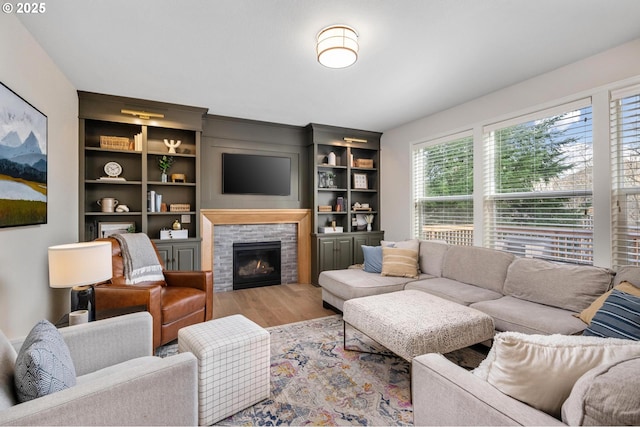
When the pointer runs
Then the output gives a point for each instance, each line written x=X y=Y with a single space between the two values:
x=360 y=181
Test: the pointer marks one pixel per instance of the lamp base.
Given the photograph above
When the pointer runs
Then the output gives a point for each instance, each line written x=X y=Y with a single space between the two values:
x=84 y=298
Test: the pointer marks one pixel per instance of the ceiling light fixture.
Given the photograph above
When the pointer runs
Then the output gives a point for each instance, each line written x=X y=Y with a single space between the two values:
x=337 y=46
x=144 y=115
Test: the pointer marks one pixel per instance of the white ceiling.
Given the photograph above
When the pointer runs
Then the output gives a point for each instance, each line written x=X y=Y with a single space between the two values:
x=256 y=59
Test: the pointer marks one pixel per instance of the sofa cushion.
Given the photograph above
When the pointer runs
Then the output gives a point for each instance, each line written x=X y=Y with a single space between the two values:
x=413 y=244
x=513 y=314
x=587 y=314
x=453 y=290
x=399 y=262
x=7 y=366
x=43 y=365
x=607 y=395
x=572 y=287
x=619 y=317
x=372 y=258
x=482 y=267
x=431 y=257
x=541 y=370
x=355 y=283
x=627 y=273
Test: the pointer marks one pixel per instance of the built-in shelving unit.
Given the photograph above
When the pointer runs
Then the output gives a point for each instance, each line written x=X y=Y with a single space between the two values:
x=345 y=186
x=101 y=116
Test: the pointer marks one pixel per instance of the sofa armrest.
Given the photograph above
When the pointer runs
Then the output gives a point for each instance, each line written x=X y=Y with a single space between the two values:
x=202 y=280
x=160 y=393
x=447 y=394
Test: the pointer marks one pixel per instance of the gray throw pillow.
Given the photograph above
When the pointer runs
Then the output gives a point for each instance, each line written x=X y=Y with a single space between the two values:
x=607 y=395
x=44 y=364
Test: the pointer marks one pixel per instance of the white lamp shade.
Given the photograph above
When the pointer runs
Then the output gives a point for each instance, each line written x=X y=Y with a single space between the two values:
x=78 y=264
x=337 y=46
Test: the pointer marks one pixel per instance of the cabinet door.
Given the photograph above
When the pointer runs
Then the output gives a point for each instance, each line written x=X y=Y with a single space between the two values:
x=166 y=253
x=358 y=241
x=186 y=256
x=344 y=249
x=326 y=254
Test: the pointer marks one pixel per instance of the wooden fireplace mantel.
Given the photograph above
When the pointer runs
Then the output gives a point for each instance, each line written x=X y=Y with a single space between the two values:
x=301 y=217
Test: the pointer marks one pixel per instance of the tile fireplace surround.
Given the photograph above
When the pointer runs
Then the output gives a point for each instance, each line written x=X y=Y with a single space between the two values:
x=301 y=218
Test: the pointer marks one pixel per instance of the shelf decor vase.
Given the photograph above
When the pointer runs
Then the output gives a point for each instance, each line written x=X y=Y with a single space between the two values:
x=163 y=177
x=368 y=227
x=331 y=159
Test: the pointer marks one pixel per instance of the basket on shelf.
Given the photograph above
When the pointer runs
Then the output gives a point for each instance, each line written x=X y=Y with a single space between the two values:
x=115 y=142
x=324 y=208
x=364 y=163
x=179 y=207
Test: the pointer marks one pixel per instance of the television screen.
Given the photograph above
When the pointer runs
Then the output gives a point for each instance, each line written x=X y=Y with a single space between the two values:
x=254 y=174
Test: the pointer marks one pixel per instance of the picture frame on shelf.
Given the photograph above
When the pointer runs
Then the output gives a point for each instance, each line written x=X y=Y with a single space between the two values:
x=360 y=181
x=106 y=229
x=23 y=179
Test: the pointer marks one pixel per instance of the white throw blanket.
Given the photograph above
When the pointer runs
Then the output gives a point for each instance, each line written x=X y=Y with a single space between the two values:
x=140 y=259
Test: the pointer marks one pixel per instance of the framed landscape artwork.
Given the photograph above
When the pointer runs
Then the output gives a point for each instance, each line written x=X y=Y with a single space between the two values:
x=23 y=161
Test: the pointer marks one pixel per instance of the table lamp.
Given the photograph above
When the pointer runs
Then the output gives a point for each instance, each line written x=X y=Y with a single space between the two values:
x=79 y=266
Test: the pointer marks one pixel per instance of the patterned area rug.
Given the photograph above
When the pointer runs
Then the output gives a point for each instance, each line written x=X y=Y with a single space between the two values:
x=315 y=381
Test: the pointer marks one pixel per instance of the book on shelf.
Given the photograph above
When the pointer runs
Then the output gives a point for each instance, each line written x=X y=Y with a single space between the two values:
x=151 y=201
x=137 y=142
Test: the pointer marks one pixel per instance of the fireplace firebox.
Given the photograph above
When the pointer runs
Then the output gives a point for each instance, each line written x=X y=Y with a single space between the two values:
x=256 y=264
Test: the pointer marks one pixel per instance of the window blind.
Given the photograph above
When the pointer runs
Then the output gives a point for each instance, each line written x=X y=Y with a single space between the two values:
x=625 y=155
x=538 y=184
x=443 y=190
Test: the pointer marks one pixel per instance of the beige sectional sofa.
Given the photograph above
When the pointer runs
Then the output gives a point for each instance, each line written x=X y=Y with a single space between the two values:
x=524 y=296
x=521 y=294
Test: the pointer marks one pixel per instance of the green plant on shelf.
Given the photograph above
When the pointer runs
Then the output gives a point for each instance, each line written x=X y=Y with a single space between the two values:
x=164 y=163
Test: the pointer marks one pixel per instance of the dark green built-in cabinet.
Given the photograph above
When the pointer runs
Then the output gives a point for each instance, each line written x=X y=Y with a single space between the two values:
x=353 y=177
x=110 y=134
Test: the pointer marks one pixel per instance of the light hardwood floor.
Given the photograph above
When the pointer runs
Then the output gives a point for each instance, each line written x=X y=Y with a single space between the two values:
x=272 y=305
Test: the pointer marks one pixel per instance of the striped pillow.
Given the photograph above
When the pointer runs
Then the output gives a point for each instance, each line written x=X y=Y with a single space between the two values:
x=399 y=262
x=619 y=317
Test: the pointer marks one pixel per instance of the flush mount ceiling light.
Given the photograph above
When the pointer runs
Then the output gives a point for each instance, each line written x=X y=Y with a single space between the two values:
x=337 y=46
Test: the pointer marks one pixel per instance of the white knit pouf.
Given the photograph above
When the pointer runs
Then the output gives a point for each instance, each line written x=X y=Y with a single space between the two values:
x=233 y=365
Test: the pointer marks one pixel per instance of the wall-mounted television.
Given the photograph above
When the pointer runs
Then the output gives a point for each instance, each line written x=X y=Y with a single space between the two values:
x=256 y=174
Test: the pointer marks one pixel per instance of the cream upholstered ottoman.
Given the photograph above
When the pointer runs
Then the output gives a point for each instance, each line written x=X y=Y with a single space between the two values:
x=233 y=365
x=411 y=322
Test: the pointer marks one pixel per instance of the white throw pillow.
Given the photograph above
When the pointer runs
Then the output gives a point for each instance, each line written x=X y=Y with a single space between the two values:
x=541 y=370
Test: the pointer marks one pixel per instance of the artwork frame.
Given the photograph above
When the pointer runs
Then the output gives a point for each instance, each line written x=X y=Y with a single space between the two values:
x=23 y=161
x=106 y=229
x=360 y=181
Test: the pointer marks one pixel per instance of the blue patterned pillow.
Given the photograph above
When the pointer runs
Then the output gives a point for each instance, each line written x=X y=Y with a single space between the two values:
x=372 y=258
x=619 y=317
x=44 y=364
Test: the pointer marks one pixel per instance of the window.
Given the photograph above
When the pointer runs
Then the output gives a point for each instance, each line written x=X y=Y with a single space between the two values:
x=443 y=190
x=625 y=145
x=538 y=184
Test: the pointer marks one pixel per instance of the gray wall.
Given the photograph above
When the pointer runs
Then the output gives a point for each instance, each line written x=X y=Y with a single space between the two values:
x=232 y=135
x=25 y=295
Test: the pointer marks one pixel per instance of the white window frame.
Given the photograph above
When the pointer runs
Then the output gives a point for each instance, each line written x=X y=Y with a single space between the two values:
x=491 y=196
x=462 y=236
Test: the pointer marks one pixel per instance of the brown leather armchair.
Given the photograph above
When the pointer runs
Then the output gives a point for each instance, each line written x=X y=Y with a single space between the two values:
x=182 y=299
